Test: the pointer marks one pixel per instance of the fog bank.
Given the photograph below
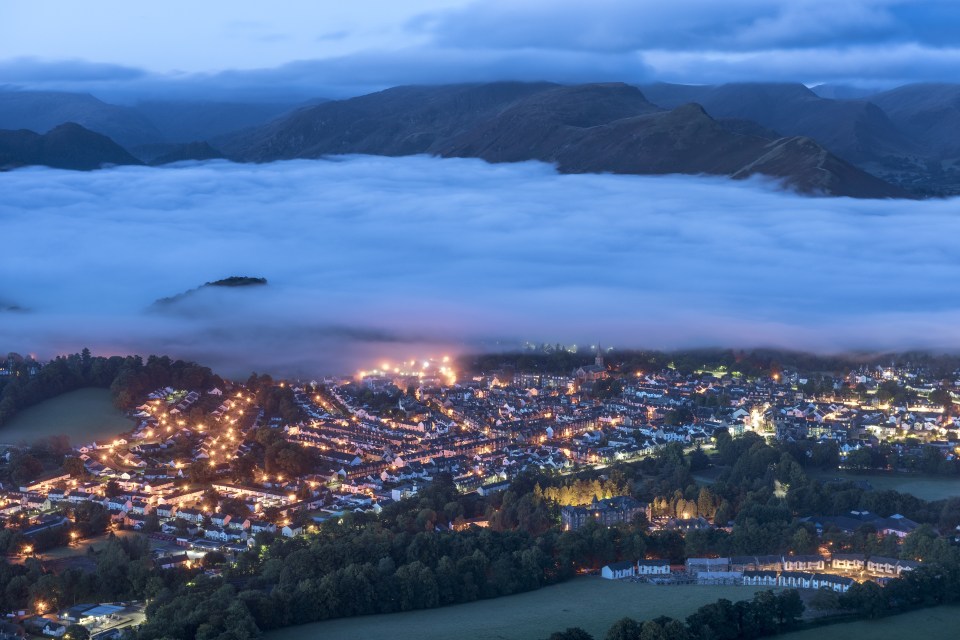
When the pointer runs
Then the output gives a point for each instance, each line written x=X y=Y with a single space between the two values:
x=371 y=257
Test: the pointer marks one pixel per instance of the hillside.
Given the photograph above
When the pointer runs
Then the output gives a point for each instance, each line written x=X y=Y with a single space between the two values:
x=68 y=146
x=583 y=129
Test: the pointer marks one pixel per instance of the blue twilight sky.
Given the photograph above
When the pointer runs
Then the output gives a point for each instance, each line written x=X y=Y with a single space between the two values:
x=304 y=48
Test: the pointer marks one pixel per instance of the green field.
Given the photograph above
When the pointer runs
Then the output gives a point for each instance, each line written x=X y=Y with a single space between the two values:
x=940 y=623
x=82 y=547
x=589 y=602
x=923 y=487
x=83 y=415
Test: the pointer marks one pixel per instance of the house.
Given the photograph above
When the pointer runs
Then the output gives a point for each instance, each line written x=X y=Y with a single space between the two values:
x=190 y=515
x=174 y=561
x=880 y=566
x=54 y=629
x=795 y=579
x=719 y=577
x=618 y=570
x=756 y=563
x=760 y=578
x=653 y=567
x=848 y=561
x=699 y=565
x=804 y=563
x=606 y=512
x=220 y=519
x=46 y=482
x=840 y=584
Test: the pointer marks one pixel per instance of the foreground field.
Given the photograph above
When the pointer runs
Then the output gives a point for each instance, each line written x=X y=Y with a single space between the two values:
x=923 y=487
x=940 y=623
x=589 y=602
x=83 y=415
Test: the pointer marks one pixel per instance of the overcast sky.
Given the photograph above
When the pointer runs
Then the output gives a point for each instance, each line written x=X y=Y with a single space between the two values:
x=302 y=48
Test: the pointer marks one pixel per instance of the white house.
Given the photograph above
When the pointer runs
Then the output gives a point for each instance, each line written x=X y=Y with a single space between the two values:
x=848 y=561
x=757 y=578
x=618 y=570
x=653 y=567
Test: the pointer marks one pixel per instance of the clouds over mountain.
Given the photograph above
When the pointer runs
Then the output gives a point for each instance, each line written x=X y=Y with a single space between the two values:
x=384 y=257
x=876 y=42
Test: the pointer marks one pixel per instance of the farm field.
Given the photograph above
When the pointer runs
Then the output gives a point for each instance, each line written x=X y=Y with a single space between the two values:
x=923 y=487
x=83 y=415
x=589 y=602
x=939 y=623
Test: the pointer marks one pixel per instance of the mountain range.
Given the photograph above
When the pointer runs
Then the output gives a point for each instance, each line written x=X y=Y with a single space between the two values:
x=829 y=140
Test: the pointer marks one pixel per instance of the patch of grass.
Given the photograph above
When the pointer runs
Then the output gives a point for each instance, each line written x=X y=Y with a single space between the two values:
x=589 y=602
x=939 y=623
x=83 y=415
x=923 y=487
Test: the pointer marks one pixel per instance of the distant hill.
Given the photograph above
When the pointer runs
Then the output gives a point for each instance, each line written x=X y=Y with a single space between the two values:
x=231 y=283
x=41 y=111
x=145 y=123
x=68 y=146
x=184 y=121
x=909 y=136
x=886 y=144
x=181 y=152
x=928 y=113
x=855 y=130
x=396 y=122
x=587 y=128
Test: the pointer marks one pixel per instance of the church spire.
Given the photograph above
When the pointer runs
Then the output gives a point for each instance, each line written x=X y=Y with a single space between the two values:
x=599 y=359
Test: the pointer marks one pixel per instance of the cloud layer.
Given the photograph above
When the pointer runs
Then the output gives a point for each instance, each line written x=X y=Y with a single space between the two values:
x=305 y=49
x=372 y=257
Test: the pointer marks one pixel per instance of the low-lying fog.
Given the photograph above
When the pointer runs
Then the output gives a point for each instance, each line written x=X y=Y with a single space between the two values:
x=371 y=257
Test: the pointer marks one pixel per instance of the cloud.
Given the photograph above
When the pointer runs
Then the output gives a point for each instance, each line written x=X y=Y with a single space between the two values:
x=371 y=257
x=879 y=42
x=34 y=70
x=688 y=25
x=345 y=76
x=877 y=66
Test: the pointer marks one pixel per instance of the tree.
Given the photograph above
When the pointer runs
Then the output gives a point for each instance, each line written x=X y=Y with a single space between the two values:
x=624 y=629
x=825 y=600
x=77 y=632
x=699 y=460
x=74 y=466
x=571 y=633
x=25 y=467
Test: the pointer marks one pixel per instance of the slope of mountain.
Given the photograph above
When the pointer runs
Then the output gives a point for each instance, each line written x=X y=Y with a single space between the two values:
x=180 y=122
x=684 y=140
x=930 y=113
x=43 y=110
x=586 y=128
x=843 y=92
x=856 y=130
x=395 y=122
x=68 y=146
x=181 y=152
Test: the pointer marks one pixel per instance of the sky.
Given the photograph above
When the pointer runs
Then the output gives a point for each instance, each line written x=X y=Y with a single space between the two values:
x=120 y=50
x=372 y=257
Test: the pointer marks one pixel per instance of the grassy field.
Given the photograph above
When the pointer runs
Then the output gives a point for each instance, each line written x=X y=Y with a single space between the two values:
x=940 y=623
x=924 y=487
x=81 y=548
x=83 y=415
x=589 y=602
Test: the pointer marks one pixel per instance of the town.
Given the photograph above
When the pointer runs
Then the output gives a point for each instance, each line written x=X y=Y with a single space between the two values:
x=209 y=471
